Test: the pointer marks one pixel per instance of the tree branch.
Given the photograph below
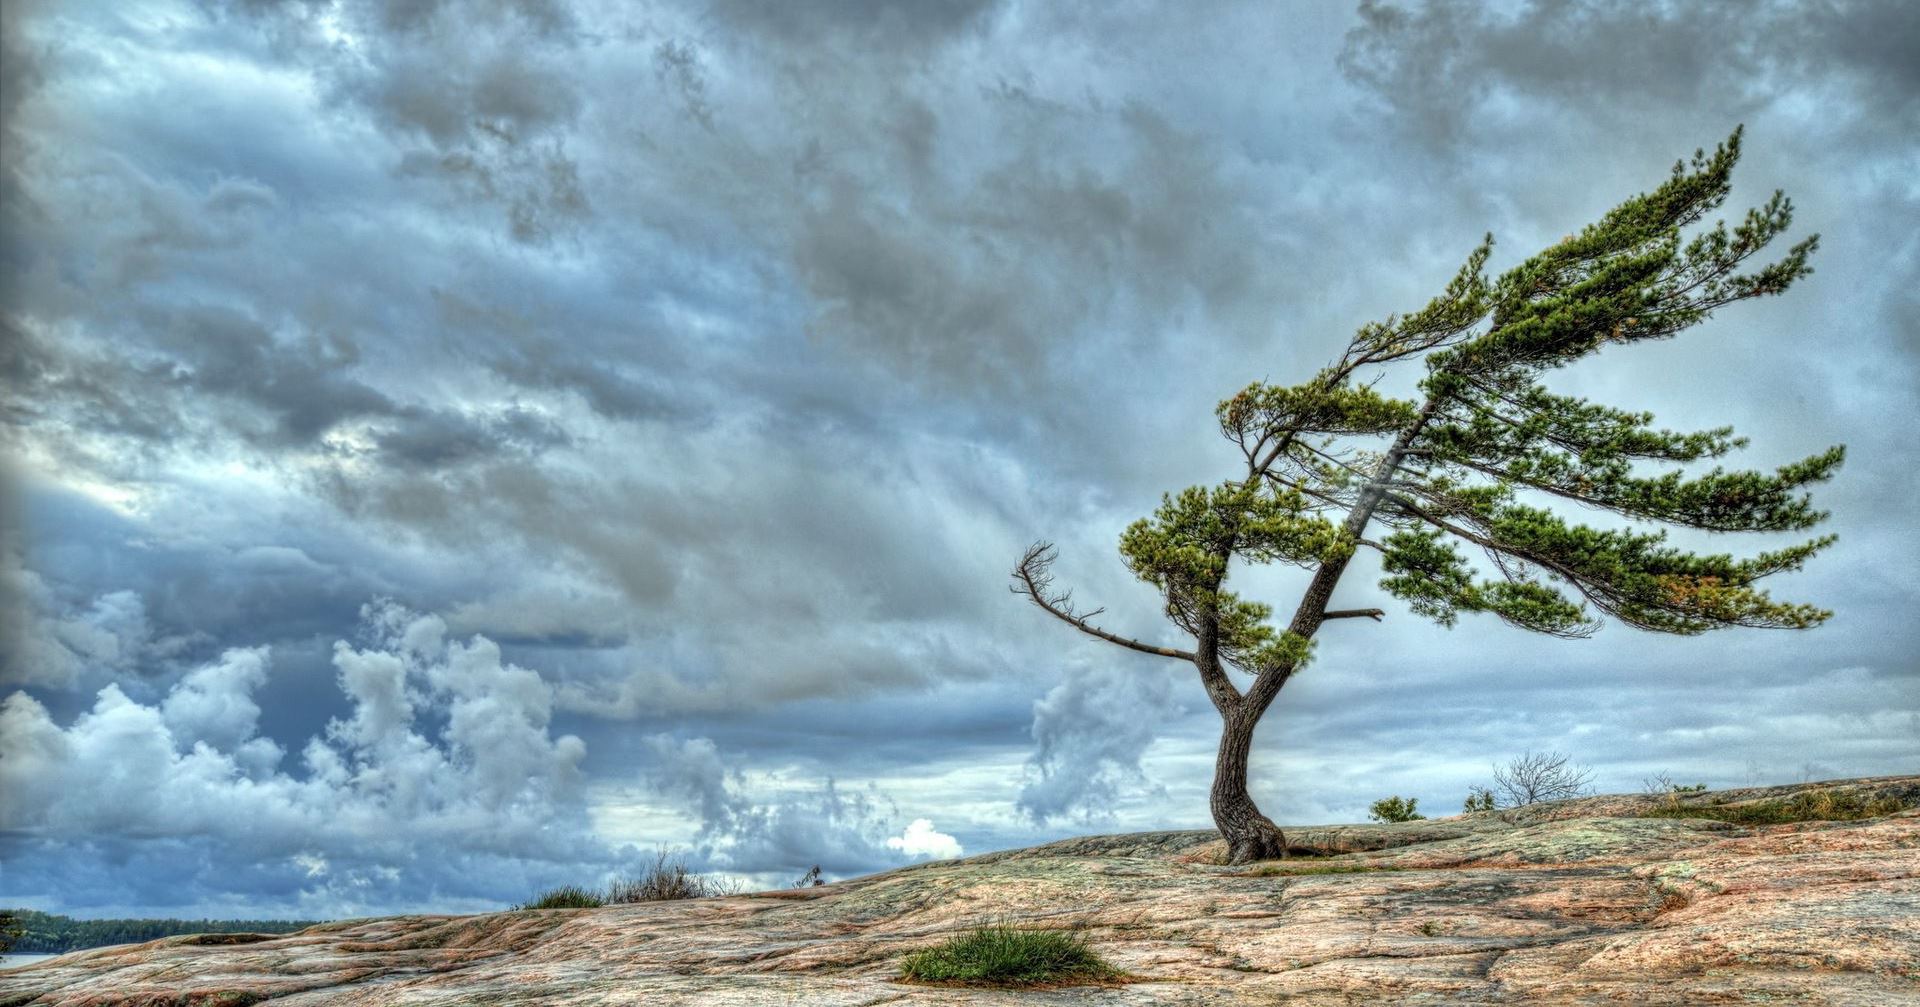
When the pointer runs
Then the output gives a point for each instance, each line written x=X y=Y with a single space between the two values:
x=1312 y=610
x=1354 y=613
x=1034 y=579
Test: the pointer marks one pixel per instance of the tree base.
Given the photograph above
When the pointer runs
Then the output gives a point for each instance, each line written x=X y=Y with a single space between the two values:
x=1260 y=840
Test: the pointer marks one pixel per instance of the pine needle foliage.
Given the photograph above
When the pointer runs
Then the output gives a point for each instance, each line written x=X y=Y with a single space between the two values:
x=1481 y=463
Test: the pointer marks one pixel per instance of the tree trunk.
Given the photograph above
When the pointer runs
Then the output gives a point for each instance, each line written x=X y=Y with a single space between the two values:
x=1250 y=835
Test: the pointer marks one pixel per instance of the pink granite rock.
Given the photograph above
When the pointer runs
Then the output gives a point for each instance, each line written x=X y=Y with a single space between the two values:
x=1579 y=902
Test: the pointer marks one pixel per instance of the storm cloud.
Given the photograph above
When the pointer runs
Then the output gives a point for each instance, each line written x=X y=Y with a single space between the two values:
x=653 y=400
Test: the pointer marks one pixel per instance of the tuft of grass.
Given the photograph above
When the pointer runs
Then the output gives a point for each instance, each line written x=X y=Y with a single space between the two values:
x=1812 y=806
x=566 y=897
x=665 y=880
x=1005 y=955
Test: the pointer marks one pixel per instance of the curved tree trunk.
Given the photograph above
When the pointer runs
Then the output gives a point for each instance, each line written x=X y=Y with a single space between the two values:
x=1250 y=835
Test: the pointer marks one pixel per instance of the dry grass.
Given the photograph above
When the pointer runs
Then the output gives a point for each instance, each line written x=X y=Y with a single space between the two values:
x=665 y=880
x=1813 y=806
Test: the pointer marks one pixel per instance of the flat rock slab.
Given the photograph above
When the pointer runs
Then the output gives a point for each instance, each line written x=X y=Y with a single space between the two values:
x=1575 y=903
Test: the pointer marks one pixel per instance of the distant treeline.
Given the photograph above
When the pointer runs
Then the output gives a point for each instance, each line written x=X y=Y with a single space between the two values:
x=44 y=933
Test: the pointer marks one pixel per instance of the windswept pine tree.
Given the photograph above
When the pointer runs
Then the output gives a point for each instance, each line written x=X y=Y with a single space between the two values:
x=1477 y=461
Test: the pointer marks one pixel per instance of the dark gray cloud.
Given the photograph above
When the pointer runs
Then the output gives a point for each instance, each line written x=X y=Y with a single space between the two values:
x=1440 y=61
x=476 y=97
x=717 y=360
x=887 y=25
x=1089 y=734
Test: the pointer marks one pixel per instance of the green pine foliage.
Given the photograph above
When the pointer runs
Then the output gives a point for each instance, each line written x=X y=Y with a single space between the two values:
x=1463 y=478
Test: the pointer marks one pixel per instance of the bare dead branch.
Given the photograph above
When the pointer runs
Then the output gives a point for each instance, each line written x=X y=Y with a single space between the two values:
x=1033 y=578
x=1355 y=613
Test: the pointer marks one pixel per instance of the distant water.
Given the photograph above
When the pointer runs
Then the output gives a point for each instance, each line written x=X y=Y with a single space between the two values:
x=9 y=961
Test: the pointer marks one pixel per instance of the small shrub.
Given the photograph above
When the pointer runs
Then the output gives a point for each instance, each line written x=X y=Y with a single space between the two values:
x=1540 y=776
x=1395 y=809
x=811 y=879
x=566 y=897
x=1004 y=955
x=1478 y=799
x=1812 y=806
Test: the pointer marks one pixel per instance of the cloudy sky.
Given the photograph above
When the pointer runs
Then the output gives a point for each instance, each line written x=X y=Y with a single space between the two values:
x=458 y=448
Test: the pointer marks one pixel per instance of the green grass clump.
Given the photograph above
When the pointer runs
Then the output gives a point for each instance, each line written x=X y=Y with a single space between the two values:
x=1813 y=806
x=1003 y=955
x=566 y=897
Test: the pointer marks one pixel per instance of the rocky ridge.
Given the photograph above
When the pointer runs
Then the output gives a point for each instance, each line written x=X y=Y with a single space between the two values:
x=1579 y=902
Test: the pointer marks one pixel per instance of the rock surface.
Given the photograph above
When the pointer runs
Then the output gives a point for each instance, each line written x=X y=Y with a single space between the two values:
x=1575 y=903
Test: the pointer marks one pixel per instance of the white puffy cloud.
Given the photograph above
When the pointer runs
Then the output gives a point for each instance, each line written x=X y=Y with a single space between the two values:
x=921 y=840
x=385 y=809
x=214 y=703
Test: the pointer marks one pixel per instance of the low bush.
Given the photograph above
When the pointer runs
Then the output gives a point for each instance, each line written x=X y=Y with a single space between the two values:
x=1004 y=955
x=1395 y=809
x=1811 y=806
x=566 y=897
x=1478 y=799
